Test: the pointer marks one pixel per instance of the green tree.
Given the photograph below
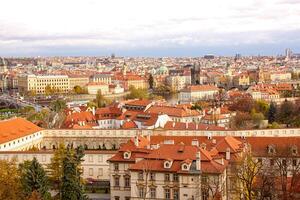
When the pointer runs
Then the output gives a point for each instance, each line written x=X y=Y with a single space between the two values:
x=151 y=81
x=285 y=114
x=10 y=186
x=72 y=187
x=272 y=113
x=58 y=105
x=33 y=178
x=261 y=106
x=137 y=93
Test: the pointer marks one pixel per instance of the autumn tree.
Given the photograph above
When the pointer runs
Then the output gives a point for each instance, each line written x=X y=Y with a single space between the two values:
x=10 y=185
x=246 y=171
x=137 y=93
x=56 y=166
x=243 y=105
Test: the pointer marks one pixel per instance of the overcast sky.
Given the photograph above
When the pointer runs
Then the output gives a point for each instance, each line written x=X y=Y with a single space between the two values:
x=148 y=28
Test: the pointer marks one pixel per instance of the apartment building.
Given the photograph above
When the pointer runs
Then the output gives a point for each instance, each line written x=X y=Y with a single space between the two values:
x=165 y=171
x=39 y=83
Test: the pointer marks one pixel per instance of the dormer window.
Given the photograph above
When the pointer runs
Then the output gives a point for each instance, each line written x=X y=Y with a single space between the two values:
x=271 y=149
x=167 y=164
x=185 y=167
x=294 y=150
x=127 y=155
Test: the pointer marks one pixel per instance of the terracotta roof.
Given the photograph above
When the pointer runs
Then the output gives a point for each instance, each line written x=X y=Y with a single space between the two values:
x=139 y=102
x=193 y=88
x=15 y=128
x=173 y=111
x=129 y=125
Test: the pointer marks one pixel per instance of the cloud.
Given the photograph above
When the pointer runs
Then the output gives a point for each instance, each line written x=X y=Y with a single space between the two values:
x=32 y=25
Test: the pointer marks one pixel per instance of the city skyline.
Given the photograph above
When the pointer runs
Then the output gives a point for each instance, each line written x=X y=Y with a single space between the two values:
x=135 y=28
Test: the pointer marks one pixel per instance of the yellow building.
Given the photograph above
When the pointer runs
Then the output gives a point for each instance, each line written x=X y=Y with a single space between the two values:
x=38 y=84
x=78 y=81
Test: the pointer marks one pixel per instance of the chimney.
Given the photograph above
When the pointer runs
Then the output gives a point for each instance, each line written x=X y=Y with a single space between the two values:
x=94 y=111
x=196 y=126
x=214 y=141
x=227 y=154
x=198 y=160
x=186 y=125
x=173 y=125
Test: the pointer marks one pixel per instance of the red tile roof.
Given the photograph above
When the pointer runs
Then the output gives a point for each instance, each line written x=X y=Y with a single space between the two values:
x=15 y=128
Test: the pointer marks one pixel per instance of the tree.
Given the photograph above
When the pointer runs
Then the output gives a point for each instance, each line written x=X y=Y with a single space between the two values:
x=243 y=105
x=10 y=187
x=137 y=93
x=100 y=100
x=33 y=178
x=285 y=114
x=287 y=166
x=71 y=187
x=48 y=90
x=247 y=170
x=151 y=81
x=272 y=113
x=261 y=106
x=58 y=105
x=79 y=90
x=56 y=165
x=257 y=117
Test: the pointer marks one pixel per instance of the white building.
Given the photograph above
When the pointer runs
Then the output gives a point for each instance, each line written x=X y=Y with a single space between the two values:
x=194 y=93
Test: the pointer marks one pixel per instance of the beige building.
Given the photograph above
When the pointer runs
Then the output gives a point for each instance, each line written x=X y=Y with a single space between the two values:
x=195 y=93
x=94 y=87
x=38 y=84
x=78 y=81
x=178 y=82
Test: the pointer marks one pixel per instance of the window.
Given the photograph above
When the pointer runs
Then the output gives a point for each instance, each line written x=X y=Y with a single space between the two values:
x=117 y=198
x=167 y=177
x=127 y=181
x=91 y=172
x=175 y=177
x=100 y=172
x=141 y=192
x=116 y=167
x=294 y=162
x=167 y=194
x=153 y=193
x=284 y=162
x=90 y=158
x=176 y=194
x=127 y=198
x=117 y=181
x=152 y=177
x=140 y=176
x=271 y=162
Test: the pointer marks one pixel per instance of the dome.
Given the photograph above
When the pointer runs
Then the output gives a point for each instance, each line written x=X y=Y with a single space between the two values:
x=163 y=70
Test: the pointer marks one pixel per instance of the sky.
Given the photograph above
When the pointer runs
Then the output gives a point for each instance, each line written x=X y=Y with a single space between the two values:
x=148 y=27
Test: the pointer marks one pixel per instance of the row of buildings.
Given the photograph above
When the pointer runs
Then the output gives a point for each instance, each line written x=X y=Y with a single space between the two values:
x=156 y=166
